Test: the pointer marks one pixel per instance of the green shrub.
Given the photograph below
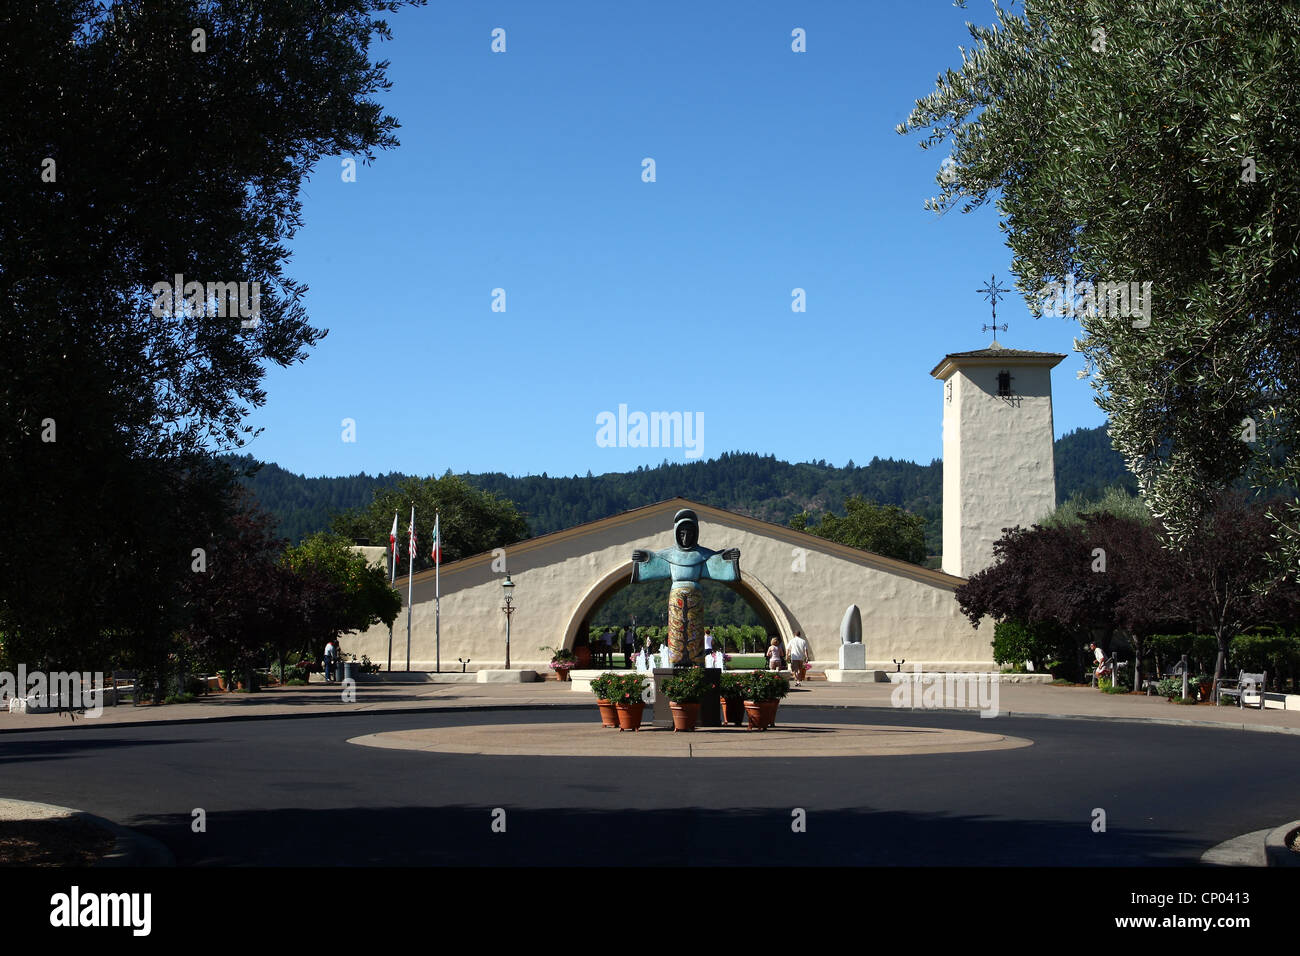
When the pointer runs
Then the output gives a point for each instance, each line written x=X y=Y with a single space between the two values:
x=1171 y=687
x=1015 y=642
x=687 y=686
x=178 y=698
x=1201 y=649
x=602 y=685
x=732 y=686
x=764 y=685
x=1278 y=655
x=626 y=688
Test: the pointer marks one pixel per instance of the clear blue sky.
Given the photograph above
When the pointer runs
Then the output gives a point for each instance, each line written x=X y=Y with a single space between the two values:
x=522 y=171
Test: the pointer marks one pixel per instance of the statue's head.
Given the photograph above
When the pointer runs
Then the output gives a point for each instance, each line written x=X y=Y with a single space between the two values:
x=686 y=529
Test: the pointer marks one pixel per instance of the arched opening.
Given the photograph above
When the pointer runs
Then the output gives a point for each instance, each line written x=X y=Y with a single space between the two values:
x=608 y=597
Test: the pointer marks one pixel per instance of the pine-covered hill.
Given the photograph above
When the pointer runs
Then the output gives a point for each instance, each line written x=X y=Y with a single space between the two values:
x=756 y=485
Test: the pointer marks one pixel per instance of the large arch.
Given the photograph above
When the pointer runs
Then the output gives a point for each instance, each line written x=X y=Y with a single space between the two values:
x=749 y=586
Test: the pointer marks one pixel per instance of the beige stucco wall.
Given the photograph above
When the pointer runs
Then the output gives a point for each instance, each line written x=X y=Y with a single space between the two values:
x=998 y=468
x=907 y=612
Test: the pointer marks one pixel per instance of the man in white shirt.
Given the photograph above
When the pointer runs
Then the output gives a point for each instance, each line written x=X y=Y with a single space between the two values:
x=329 y=661
x=799 y=654
x=708 y=641
x=1102 y=670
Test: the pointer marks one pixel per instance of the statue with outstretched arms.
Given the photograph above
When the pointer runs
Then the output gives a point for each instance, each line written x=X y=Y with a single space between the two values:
x=686 y=564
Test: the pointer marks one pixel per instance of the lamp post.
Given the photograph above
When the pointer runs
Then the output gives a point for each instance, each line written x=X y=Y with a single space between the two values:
x=507 y=589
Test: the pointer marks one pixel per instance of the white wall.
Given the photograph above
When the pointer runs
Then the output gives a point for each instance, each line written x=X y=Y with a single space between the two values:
x=907 y=611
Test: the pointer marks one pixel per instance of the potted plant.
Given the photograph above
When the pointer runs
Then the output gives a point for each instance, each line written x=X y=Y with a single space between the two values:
x=603 y=687
x=732 y=695
x=1206 y=683
x=763 y=692
x=684 y=690
x=625 y=691
x=562 y=661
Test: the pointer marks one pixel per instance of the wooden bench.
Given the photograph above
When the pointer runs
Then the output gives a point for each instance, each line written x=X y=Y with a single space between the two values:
x=1243 y=685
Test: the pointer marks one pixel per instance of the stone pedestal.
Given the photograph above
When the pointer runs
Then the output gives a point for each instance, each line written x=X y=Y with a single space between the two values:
x=853 y=657
x=856 y=677
x=710 y=707
x=663 y=715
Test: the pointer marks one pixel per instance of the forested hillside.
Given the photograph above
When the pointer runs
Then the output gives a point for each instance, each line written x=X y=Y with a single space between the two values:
x=756 y=485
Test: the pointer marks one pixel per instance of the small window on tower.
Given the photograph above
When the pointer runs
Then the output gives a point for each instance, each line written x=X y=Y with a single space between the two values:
x=1004 y=383
x=948 y=390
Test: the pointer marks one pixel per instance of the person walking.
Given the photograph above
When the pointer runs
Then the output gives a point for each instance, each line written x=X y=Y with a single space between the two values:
x=774 y=658
x=629 y=645
x=799 y=657
x=607 y=648
x=329 y=661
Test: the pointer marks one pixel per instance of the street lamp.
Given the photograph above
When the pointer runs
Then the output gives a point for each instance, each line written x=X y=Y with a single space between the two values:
x=507 y=589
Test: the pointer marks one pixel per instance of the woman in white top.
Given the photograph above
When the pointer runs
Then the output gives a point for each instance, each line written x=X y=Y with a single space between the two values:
x=774 y=655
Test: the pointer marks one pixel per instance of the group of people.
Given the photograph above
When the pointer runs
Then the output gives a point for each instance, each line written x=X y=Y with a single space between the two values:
x=602 y=651
x=799 y=657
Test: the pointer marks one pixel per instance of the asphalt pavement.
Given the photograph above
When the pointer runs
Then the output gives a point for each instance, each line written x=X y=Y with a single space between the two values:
x=284 y=791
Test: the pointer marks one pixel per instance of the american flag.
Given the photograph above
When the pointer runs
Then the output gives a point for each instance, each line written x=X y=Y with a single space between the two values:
x=412 y=538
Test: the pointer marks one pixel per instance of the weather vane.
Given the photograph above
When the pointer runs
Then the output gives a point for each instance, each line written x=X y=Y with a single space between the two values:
x=992 y=292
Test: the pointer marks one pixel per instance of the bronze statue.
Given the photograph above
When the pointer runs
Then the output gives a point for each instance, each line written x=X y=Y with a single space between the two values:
x=686 y=564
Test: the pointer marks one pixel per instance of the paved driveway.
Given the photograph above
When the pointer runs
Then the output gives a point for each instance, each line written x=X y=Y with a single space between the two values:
x=295 y=792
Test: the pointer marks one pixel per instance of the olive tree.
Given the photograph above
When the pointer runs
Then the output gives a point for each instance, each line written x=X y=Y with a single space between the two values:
x=1149 y=145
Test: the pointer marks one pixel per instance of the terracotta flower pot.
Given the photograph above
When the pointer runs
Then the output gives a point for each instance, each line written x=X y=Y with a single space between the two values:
x=685 y=715
x=733 y=710
x=608 y=715
x=762 y=713
x=629 y=716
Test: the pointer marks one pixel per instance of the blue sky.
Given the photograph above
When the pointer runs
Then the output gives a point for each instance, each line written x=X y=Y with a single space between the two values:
x=522 y=171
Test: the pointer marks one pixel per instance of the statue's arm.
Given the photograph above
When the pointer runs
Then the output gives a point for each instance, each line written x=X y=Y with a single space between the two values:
x=723 y=565
x=649 y=566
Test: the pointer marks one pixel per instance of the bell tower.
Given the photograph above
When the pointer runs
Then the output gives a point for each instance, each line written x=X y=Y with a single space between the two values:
x=998 y=464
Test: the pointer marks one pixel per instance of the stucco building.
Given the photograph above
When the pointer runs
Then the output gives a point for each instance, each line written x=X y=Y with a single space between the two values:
x=998 y=472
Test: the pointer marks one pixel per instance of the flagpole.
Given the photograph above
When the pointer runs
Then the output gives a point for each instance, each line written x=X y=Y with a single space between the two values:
x=392 y=577
x=437 y=592
x=410 y=590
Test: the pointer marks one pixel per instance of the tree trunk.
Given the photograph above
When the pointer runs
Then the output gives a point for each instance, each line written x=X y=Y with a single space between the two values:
x=1219 y=661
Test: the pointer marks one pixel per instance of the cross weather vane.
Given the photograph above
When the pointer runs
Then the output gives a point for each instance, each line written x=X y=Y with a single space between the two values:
x=993 y=292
